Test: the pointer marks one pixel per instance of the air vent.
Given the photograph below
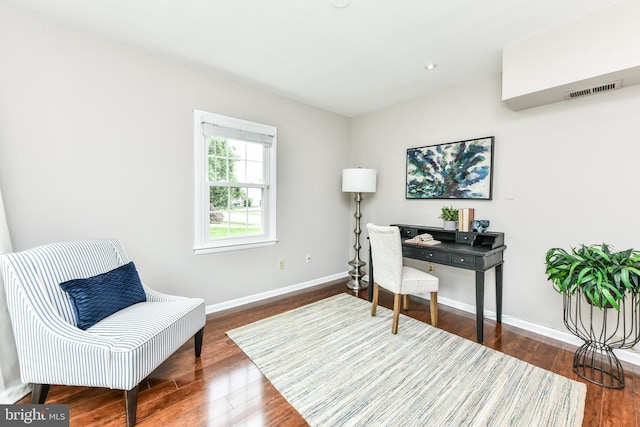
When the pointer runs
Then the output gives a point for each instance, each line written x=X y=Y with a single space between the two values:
x=617 y=84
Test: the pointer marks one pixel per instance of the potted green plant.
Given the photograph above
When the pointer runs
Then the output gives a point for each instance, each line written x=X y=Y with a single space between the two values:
x=450 y=217
x=603 y=275
x=604 y=279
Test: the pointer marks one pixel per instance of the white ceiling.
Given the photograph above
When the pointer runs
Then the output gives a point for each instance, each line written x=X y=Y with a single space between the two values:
x=351 y=60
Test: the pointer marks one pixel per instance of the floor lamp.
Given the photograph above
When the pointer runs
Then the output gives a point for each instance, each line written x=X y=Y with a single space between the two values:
x=358 y=181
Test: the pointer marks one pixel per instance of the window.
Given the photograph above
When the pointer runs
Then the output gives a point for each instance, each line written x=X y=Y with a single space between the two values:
x=235 y=183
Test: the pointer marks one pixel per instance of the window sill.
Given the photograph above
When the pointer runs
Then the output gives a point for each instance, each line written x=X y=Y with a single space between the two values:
x=226 y=247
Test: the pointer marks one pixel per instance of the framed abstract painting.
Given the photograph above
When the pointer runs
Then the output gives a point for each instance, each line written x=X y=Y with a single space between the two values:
x=455 y=170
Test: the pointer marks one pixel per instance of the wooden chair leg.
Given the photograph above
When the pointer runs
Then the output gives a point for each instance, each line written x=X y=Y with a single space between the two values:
x=434 y=308
x=197 y=338
x=131 y=405
x=374 y=301
x=405 y=302
x=396 y=313
x=39 y=393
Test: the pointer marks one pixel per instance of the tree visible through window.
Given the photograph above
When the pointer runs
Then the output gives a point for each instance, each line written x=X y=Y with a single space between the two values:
x=235 y=210
x=235 y=180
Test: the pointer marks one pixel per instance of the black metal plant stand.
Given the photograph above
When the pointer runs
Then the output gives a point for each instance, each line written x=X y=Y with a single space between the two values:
x=602 y=331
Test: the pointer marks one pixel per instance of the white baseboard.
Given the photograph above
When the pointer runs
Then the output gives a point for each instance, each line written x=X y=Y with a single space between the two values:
x=625 y=355
x=214 y=308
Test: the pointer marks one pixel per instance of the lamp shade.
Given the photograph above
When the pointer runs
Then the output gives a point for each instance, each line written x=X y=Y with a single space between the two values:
x=359 y=180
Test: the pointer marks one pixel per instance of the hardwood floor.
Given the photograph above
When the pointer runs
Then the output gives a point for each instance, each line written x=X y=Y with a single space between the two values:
x=223 y=387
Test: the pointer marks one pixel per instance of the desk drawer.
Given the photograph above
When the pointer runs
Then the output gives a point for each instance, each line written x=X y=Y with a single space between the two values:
x=463 y=260
x=426 y=254
x=465 y=238
x=408 y=232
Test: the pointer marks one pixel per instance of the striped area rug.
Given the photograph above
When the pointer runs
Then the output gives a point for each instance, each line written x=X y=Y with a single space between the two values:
x=338 y=366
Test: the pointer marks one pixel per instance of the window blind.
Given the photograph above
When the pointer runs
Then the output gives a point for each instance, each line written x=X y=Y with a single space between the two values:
x=209 y=129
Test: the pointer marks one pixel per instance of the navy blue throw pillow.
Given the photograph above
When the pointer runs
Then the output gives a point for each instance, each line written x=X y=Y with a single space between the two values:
x=100 y=296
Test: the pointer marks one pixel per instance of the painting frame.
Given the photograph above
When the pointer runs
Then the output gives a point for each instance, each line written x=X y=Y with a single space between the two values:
x=451 y=170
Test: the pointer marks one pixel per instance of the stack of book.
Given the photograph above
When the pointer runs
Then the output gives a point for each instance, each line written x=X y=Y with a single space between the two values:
x=465 y=217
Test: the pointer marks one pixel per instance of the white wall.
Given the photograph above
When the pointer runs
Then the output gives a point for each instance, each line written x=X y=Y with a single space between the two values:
x=96 y=140
x=573 y=165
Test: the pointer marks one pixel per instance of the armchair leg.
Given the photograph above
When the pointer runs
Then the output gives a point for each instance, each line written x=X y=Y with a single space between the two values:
x=39 y=393
x=198 y=341
x=131 y=405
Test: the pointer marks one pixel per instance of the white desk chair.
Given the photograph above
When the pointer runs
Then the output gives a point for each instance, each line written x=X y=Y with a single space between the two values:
x=391 y=274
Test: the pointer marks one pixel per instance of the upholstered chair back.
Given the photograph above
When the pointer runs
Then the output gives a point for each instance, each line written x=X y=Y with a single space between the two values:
x=386 y=251
x=36 y=274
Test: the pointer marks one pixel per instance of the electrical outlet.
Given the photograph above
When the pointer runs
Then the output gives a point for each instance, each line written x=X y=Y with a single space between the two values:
x=431 y=268
x=307 y=258
x=281 y=264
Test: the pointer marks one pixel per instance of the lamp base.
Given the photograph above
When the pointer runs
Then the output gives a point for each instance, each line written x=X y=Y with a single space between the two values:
x=357 y=285
x=356 y=272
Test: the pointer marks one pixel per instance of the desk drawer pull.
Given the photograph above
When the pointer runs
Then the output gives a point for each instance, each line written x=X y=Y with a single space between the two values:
x=468 y=261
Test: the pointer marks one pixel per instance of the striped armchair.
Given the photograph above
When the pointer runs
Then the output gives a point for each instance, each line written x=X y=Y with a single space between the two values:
x=117 y=352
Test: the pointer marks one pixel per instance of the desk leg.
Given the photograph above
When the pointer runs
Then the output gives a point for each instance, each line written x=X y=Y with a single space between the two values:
x=499 y=293
x=480 y=305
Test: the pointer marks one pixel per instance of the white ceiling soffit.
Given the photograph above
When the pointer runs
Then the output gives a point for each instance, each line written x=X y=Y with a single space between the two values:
x=590 y=55
x=365 y=56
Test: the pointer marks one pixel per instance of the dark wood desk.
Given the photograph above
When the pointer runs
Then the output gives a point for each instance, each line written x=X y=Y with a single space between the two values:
x=479 y=252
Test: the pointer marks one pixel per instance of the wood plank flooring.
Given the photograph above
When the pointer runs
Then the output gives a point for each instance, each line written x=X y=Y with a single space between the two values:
x=223 y=387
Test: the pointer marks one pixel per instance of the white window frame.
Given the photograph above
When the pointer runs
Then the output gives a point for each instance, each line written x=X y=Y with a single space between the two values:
x=202 y=241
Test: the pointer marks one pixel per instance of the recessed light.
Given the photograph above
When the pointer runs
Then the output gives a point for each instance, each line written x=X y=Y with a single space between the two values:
x=430 y=66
